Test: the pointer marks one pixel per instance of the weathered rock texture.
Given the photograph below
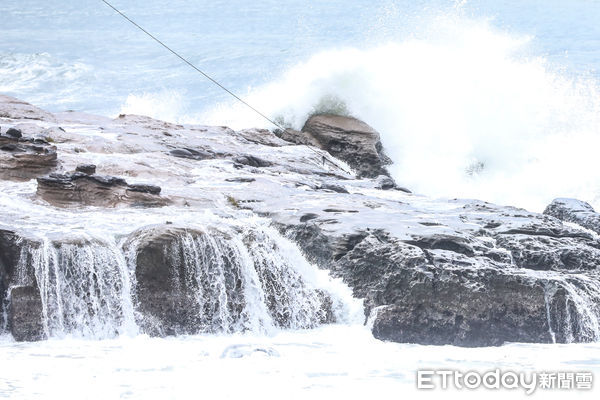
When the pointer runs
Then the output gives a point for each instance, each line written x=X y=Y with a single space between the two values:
x=460 y=272
x=191 y=281
x=346 y=138
x=576 y=211
x=25 y=158
x=79 y=188
x=500 y=283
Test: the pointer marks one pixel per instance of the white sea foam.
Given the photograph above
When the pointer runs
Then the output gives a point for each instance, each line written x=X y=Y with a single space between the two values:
x=463 y=110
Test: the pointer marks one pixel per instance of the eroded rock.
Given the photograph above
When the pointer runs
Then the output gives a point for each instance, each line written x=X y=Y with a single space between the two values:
x=78 y=188
x=25 y=314
x=576 y=211
x=25 y=158
x=350 y=140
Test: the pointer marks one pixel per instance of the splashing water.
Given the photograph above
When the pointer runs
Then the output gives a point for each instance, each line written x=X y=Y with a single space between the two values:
x=462 y=108
x=573 y=308
x=84 y=287
x=226 y=280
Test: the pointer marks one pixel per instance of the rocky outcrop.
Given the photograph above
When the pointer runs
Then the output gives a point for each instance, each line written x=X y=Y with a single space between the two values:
x=191 y=281
x=80 y=188
x=430 y=271
x=576 y=211
x=25 y=158
x=346 y=138
x=538 y=282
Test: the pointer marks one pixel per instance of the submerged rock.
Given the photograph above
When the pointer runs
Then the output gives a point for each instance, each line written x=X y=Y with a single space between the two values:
x=79 y=188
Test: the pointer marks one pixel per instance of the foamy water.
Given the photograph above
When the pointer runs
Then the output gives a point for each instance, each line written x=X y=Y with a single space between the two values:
x=336 y=361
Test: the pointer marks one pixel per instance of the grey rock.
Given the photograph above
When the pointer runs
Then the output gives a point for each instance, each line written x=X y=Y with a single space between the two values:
x=25 y=314
x=252 y=161
x=240 y=180
x=576 y=211
x=350 y=140
x=441 y=288
x=88 y=169
x=332 y=188
x=14 y=133
x=192 y=154
x=384 y=182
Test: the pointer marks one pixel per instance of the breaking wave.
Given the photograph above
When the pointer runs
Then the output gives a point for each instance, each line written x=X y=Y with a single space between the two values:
x=464 y=110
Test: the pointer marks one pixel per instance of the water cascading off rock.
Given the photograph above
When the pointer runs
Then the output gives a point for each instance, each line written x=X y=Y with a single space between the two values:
x=161 y=281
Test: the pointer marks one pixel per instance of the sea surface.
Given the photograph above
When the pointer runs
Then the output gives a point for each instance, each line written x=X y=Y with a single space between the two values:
x=495 y=100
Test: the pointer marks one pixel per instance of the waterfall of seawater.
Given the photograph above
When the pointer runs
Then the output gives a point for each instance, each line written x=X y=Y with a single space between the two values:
x=84 y=287
x=573 y=308
x=230 y=279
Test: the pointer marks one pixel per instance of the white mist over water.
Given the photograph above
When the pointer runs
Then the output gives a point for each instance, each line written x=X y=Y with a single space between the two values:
x=463 y=110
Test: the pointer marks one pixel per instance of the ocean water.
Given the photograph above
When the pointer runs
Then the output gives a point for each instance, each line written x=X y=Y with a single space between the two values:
x=492 y=100
x=479 y=99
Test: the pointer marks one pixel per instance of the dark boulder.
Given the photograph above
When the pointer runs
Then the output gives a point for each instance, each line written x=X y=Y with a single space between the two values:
x=193 y=281
x=348 y=139
x=88 y=169
x=14 y=133
x=25 y=314
x=536 y=284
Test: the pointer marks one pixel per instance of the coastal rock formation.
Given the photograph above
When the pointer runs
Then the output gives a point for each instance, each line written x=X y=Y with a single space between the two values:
x=25 y=158
x=12 y=108
x=81 y=188
x=346 y=138
x=192 y=281
x=430 y=271
x=508 y=278
x=576 y=211
x=25 y=313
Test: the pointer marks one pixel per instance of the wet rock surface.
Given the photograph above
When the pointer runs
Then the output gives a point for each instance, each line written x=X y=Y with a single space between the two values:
x=25 y=311
x=25 y=158
x=460 y=272
x=576 y=211
x=191 y=281
x=350 y=140
x=80 y=188
x=508 y=277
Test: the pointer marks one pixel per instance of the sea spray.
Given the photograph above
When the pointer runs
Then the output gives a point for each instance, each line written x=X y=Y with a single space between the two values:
x=463 y=109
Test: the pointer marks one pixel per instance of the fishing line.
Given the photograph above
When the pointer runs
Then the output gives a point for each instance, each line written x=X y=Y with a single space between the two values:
x=212 y=79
